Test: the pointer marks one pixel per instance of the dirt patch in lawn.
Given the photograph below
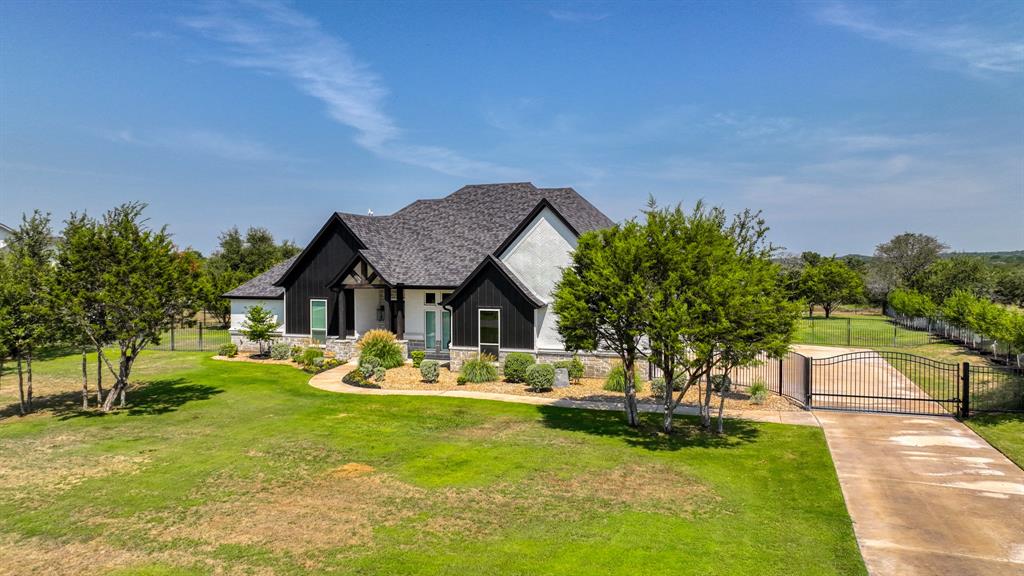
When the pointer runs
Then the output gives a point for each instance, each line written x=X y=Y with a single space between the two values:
x=45 y=556
x=255 y=360
x=408 y=378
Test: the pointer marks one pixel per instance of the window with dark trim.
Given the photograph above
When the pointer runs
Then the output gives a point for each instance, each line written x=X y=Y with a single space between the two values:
x=318 y=320
x=429 y=298
x=490 y=331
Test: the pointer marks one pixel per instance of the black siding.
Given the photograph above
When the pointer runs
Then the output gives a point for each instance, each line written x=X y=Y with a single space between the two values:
x=490 y=289
x=334 y=249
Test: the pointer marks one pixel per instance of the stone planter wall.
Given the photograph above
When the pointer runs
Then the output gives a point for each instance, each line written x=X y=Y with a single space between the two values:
x=595 y=364
x=343 y=349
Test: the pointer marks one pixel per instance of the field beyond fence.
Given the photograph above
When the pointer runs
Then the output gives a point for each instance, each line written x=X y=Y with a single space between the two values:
x=858 y=332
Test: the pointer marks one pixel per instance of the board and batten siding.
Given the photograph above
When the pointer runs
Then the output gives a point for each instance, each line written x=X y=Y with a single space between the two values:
x=334 y=249
x=537 y=257
x=490 y=289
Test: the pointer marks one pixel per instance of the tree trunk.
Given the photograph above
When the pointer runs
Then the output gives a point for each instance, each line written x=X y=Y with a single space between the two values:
x=828 y=311
x=666 y=424
x=115 y=391
x=99 y=377
x=21 y=388
x=721 y=408
x=28 y=391
x=705 y=412
x=85 y=382
x=632 y=413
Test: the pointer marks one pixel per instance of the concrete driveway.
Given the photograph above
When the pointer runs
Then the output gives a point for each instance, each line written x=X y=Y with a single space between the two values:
x=927 y=495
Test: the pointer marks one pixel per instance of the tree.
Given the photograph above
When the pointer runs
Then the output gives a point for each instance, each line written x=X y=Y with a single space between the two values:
x=830 y=282
x=714 y=297
x=259 y=325
x=967 y=273
x=124 y=282
x=902 y=261
x=1010 y=287
x=600 y=297
x=29 y=271
x=911 y=304
x=238 y=259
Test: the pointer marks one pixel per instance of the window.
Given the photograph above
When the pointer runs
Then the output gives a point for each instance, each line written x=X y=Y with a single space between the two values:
x=490 y=332
x=318 y=321
x=430 y=297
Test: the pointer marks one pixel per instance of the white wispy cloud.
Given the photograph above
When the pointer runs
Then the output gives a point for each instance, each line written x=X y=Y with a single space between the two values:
x=968 y=48
x=274 y=38
x=577 y=16
x=205 y=142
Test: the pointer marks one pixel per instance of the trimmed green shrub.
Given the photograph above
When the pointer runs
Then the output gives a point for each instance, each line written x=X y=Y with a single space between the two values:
x=384 y=346
x=309 y=355
x=616 y=380
x=758 y=392
x=516 y=365
x=280 y=350
x=429 y=370
x=575 y=368
x=540 y=376
x=721 y=383
x=229 y=350
x=461 y=380
x=479 y=369
x=379 y=373
x=417 y=357
x=357 y=378
x=368 y=363
x=658 y=387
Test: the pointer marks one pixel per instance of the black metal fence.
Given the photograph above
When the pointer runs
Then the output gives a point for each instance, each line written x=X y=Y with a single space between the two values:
x=868 y=332
x=938 y=328
x=194 y=336
x=886 y=382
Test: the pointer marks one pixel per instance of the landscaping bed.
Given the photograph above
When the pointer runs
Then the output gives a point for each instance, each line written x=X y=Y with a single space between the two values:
x=408 y=378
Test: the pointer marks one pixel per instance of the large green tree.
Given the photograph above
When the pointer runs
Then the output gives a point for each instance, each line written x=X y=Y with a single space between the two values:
x=600 y=297
x=123 y=282
x=828 y=283
x=239 y=258
x=968 y=273
x=902 y=261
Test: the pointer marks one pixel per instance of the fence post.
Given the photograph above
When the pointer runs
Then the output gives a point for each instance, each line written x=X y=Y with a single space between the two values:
x=808 y=373
x=965 y=392
x=172 y=337
x=894 y=335
x=849 y=330
x=201 y=348
x=781 y=360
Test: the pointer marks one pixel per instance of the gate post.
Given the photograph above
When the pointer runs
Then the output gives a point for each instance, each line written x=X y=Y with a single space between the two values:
x=965 y=392
x=781 y=360
x=849 y=330
x=808 y=372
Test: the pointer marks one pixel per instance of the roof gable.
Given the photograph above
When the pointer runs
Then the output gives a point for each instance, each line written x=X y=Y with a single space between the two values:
x=491 y=261
x=296 y=264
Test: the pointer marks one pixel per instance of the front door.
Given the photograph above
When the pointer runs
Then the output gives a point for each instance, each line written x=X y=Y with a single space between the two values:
x=434 y=324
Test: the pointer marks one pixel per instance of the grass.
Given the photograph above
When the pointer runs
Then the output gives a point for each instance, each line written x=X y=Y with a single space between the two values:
x=238 y=468
x=857 y=331
x=1004 y=431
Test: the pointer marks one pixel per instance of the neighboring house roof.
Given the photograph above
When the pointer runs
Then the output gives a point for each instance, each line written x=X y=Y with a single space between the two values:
x=441 y=242
x=262 y=286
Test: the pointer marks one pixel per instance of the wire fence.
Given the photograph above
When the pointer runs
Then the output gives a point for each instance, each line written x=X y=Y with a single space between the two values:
x=941 y=329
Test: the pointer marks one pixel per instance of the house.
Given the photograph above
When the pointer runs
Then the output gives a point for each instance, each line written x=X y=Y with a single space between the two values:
x=5 y=234
x=456 y=276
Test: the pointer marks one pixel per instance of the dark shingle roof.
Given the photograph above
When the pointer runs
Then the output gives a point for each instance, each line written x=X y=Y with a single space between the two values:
x=262 y=286
x=439 y=242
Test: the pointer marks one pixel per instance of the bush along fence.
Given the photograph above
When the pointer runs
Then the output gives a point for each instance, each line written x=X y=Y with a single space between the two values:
x=939 y=328
x=193 y=336
x=886 y=382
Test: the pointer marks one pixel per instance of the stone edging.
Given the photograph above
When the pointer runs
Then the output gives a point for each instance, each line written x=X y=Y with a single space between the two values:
x=330 y=381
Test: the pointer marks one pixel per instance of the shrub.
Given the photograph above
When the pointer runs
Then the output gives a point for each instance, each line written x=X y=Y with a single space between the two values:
x=758 y=392
x=309 y=355
x=658 y=387
x=382 y=344
x=280 y=350
x=417 y=357
x=461 y=380
x=516 y=365
x=229 y=350
x=429 y=370
x=479 y=369
x=540 y=376
x=357 y=378
x=616 y=380
x=297 y=352
x=721 y=383
x=379 y=373
x=574 y=366
x=368 y=363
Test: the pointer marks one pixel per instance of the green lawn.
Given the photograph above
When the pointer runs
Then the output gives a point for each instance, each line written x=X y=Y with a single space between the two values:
x=1004 y=431
x=237 y=469
x=858 y=331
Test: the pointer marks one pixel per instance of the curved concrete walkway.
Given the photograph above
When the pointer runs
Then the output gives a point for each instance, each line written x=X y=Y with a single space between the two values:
x=330 y=381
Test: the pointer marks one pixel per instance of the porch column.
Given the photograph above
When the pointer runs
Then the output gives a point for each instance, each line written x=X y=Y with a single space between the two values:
x=400 y=315
x=389 y=317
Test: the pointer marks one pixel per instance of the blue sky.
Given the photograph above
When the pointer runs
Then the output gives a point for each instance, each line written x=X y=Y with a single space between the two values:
x=845 y=123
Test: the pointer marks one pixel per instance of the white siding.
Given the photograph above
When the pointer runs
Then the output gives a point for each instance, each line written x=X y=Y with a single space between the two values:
x=537 y=257
x=366 y=302
x=240 y=306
